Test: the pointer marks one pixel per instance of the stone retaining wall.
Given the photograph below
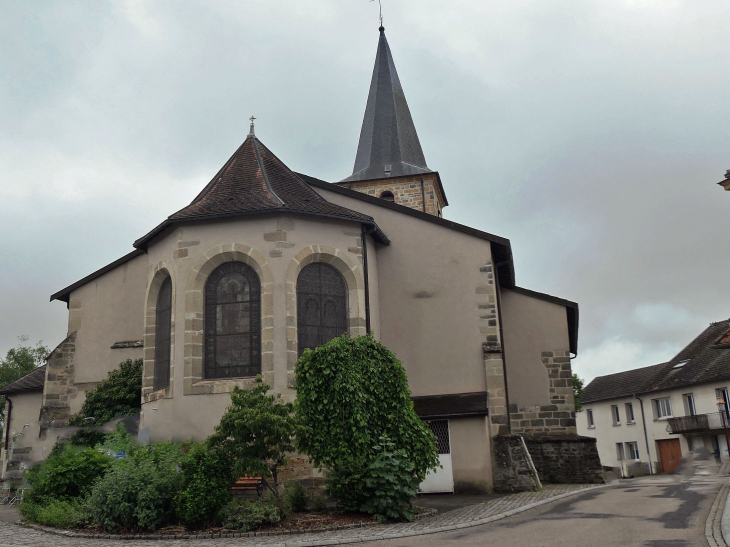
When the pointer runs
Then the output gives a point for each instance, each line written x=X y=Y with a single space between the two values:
x=566 y=460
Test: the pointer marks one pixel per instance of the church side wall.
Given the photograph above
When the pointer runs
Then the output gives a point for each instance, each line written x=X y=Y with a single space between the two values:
x=105 y=311
x=431 y=286
x=276 y=247
x=539 y=376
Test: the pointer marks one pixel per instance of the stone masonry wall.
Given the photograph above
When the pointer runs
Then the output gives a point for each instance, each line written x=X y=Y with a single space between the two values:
x=512 y=471
x=406 y=190
x=558 y=418
x=492 y=348
x=59 y=387
x=570 y=460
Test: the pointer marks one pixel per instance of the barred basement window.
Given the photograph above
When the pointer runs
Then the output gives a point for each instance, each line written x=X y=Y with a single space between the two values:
x=321 y=305
x=440 y=429
x=163 y=331
x=232 y=322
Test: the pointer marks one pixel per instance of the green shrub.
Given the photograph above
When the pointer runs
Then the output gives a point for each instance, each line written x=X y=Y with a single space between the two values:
x=67 y=473
x=346 y=483
x=138 y=491
x=119 y=395
x=295 y=497
x=121 y=441
x=245 y=515
x=390 y=483
x=256 y=434
x=87 y=437
x=350 y=392
x=57 y=513
x=206 y=483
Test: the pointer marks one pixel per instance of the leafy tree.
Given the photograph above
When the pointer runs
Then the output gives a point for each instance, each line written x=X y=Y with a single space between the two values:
x=256 y=433
x=351 y=392
x=119 y=395
x=18 y=362
x=577 y=391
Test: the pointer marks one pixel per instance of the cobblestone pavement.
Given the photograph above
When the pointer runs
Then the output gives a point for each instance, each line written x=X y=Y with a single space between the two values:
x=11 y=534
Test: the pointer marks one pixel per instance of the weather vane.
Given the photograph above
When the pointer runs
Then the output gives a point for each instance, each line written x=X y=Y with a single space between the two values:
x=252 y=118
x=380 y=4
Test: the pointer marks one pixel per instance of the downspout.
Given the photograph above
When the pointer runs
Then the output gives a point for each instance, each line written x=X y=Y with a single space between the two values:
x=423 y=195
x=7 y=423
x=646 y=436
x=363 y=235
x=501 y=340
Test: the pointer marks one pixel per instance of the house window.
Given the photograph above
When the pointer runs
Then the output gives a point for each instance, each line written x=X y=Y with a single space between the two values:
x=387 y=196
x=589 y=417
x=662 y=408
x=689 y=404
x=321 y=305
x=615 y=415
x=632 y=451
x=630 y=413
x=163 y=330
x=232 y=322
x=619 y=451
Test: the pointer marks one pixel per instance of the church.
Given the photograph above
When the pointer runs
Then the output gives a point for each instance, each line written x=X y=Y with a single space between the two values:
x=265 y=262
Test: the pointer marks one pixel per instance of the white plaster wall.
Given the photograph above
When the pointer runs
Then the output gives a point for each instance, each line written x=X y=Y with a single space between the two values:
x=607 y=435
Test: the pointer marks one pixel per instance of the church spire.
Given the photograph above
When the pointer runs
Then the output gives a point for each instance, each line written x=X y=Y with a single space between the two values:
x=389 y=145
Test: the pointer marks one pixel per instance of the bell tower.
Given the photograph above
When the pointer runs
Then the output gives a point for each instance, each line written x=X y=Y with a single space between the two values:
x=390 y=163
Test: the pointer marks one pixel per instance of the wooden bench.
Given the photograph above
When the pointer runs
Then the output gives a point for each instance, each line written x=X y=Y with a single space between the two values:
x=249 y=483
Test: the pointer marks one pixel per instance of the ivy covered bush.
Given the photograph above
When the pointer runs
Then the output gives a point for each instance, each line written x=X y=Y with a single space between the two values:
x=350 y=393
x=119 y=395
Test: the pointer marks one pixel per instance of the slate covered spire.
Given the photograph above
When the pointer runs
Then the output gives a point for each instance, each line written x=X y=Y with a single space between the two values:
x=388 y=138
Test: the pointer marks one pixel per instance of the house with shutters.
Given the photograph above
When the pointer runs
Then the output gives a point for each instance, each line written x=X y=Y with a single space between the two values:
x=647 y=419
x=265 y=262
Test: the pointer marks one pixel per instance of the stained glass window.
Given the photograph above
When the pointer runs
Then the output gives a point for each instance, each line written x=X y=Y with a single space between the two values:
x=232 y=322
x=321 y=305
x=163 y=331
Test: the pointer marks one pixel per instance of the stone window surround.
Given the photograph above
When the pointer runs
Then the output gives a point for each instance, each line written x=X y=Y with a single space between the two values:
x=353 y=274
x=193 y=381
x=159 y=273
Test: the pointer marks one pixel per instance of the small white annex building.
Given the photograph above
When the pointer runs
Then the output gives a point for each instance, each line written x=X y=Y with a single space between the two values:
x=645 y=420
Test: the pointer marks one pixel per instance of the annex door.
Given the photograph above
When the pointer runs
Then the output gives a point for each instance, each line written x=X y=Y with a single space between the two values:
x=669 y=454
x=441 y=480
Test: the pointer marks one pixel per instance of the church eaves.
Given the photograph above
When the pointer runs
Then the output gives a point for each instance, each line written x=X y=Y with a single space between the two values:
x=255 y=181
x=389 y=145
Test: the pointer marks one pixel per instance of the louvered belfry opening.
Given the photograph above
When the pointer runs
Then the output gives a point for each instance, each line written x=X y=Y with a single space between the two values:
x=163 y=332
x=232 y=322
x=321 y=305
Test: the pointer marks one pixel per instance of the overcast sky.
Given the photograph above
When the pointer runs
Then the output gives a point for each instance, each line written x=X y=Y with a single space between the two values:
x=591 y=134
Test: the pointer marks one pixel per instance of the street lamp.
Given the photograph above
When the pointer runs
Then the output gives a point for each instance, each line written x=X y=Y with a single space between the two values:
x=723 y=411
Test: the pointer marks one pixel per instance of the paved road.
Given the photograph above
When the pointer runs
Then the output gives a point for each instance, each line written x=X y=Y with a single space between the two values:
x=667 y=511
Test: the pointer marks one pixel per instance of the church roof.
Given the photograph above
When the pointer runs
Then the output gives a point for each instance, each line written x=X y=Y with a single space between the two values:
x=388 y=137
x=255 y=181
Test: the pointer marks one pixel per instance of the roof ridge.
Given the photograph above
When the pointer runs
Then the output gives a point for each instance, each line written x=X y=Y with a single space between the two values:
x=263 y=169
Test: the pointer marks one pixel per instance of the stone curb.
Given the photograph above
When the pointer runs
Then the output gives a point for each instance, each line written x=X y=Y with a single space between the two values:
x=716 y=518
x=158 y=537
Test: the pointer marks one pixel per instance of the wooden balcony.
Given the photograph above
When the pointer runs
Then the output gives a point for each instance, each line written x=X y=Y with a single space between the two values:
x=696 y=424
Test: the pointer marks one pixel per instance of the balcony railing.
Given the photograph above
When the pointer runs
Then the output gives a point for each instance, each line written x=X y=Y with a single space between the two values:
x=698 y=423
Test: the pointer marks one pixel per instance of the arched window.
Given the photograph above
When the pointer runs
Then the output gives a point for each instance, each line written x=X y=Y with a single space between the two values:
x=321 y=305
x=232 y=322
x=387 y=196
x=163 y=332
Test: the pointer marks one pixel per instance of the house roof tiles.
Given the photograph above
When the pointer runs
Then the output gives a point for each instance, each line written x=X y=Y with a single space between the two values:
x=701 y=361
x=33 y=381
